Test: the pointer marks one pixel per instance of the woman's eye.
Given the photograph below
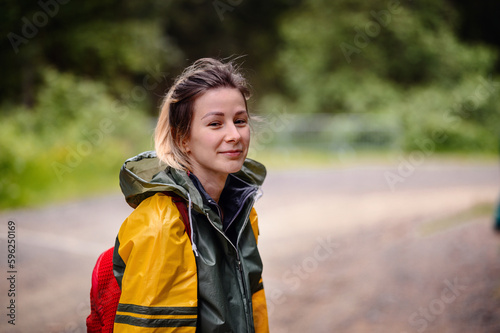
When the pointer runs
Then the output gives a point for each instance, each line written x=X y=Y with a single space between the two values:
x=240 y=122
x=214 y=124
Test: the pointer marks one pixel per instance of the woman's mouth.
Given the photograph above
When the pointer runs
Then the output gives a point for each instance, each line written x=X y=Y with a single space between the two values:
x=232 y=153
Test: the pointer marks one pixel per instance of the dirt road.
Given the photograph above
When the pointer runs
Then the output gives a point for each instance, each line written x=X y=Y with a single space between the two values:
x=349 y=254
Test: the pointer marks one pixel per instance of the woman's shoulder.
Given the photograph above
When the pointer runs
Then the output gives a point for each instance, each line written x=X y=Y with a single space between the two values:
x=155 y=211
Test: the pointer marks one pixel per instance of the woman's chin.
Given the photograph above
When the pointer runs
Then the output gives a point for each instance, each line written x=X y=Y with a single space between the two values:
x=234 y=166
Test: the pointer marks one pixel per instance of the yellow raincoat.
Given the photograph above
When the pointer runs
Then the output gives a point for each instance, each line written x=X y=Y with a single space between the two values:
x=171 y=283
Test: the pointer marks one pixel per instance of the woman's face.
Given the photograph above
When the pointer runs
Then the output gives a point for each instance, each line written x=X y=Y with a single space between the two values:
x=219 y=135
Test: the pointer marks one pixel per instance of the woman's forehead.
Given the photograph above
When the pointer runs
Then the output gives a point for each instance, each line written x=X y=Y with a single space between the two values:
x=220 y=101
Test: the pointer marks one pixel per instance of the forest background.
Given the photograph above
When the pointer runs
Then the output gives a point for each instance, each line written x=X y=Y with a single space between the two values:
x=81 y=82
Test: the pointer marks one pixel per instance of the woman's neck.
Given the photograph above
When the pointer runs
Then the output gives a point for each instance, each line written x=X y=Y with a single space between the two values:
x=212 y=184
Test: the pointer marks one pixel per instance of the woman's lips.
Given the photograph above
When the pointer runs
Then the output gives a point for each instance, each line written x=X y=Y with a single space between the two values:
x=232 y=153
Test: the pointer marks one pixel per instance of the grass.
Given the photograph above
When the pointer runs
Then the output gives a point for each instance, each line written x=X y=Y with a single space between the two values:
x=39 y=185
x=297 y=158
x=480 y=210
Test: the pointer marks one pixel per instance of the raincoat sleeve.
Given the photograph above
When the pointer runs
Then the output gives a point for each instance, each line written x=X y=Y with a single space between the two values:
x=259 y=305
x=156 y=270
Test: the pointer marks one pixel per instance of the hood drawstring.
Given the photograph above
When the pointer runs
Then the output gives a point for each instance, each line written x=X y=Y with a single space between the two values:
x=259 y=194
x=193 y=245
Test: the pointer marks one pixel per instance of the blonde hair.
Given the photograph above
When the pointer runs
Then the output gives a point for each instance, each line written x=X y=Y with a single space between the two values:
x=174 y=122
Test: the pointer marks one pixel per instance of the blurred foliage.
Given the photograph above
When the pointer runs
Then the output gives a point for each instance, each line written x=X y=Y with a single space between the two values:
x=82 y=80
x=71 y=143
x=397 y=58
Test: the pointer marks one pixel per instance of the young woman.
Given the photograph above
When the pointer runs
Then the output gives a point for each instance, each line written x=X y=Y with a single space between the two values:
x=204 y=274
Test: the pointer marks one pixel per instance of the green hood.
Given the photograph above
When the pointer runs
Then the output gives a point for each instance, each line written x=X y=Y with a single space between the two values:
x=144 y=175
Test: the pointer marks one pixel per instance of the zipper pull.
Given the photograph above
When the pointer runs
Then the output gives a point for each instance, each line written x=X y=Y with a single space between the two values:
x=239 y=266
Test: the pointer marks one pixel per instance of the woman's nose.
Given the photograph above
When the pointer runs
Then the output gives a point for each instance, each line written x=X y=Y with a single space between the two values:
x=232 y=134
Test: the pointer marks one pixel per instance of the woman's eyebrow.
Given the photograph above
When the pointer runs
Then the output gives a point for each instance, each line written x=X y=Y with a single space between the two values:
x=240 y=112
x=214 y=113
x=221 y=114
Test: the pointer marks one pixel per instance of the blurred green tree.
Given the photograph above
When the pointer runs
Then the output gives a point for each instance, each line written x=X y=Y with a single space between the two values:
x=110 y=41
x=390 y=57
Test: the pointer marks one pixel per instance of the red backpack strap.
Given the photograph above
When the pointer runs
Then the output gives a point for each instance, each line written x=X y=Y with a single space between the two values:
x=183 y=210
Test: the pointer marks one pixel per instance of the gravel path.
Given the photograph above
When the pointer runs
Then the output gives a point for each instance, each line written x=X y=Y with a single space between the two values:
x=346 y=255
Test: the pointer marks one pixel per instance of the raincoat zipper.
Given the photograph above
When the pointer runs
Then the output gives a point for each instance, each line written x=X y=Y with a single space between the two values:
x=229 y=241
x=242 y=283
x=248 y=296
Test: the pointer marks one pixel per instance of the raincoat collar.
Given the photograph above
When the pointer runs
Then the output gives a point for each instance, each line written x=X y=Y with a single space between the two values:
x=144 y=175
